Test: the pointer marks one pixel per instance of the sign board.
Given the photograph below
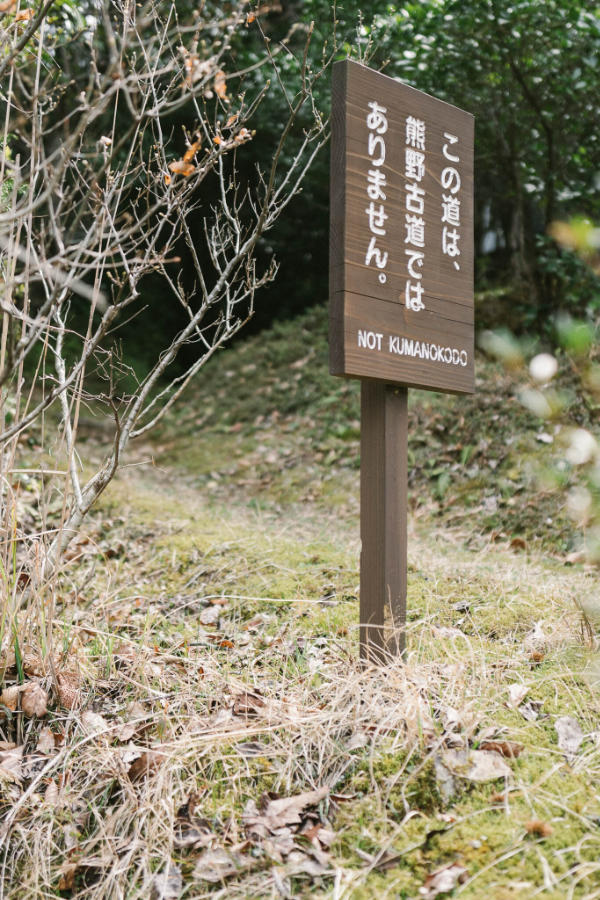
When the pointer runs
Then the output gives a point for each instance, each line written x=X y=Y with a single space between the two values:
x=401 y=307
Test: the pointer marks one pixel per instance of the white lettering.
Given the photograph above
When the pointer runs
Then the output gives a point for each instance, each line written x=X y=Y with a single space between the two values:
x=369 y=339
x=463 y=354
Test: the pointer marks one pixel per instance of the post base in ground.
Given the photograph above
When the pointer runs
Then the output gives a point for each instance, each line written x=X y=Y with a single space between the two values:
x=383 y=519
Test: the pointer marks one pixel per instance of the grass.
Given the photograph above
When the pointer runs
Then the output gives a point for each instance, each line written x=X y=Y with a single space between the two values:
x=208 y=622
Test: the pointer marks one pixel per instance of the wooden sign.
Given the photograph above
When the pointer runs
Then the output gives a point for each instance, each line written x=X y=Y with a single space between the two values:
x=401 y=299
x=401 y=234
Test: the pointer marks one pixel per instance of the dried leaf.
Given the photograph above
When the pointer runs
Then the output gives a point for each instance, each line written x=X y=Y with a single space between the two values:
x=299 y=863
x=251 y=748
x=10 y=764
x=167 y=885
x=220 y=85
x=51 y=794
x=357 y=741
x=517 y=693
x=46 y=742
x=248 y=705
x=93 y=722
x=217 y=865
x=68 y=870
x=476 y=765
x=285 y=811
x=446 y=782
x=33 y=664
x=510 y=749
x=217 y=139
x=147 y=764
x=531 y=710
x=24 y=15
x=191 y=151
x=243 y=135
x=210 y=615
x=570 y=735
x=538 y=828
x=443 y=881
x=180 y=167
x=34 y=700
x=10 y=697
x=68 y=687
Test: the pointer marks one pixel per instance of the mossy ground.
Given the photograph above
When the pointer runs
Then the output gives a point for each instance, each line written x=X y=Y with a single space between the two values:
x=247 y=503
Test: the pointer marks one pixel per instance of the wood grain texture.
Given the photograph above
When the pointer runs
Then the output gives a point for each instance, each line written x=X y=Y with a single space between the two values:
x=358 y=298
x=383 y=499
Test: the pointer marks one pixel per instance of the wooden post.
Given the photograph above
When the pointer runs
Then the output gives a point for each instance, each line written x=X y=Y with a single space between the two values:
x=383 y=519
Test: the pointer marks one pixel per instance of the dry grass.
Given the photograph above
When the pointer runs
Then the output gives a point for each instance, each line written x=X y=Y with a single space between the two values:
x=176 y=726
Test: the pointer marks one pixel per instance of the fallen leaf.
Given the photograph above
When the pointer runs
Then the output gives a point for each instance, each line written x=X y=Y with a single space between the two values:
x=33 y=664
x=51 y=794
x=46 y=742
x=248 y=705
x=145 y=765
x=68 y=688
x=34 y=700
x=570 y=735
x=210 y=615
x=538 y=828
x=10 y=697
x=217 y=865
x=476 y=765
x=518 y=543
x=68 y=870
x=443 y=881
x=531 y=710
x=357 y=741
x=10 y=764
x=299 y=863
x=510 y=749
x=93 y=722
x=251 y=748
x=167 y=885
x=284 y=811
x=445 y=780
x=517 y=693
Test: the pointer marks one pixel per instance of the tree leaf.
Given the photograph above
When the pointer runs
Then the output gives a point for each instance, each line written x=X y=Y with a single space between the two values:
x=570 y=735
x=168 y=884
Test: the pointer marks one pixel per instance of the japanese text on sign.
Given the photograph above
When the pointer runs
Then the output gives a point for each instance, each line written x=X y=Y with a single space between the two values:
x=451 y=201
x=414 y=170
x=376 y=182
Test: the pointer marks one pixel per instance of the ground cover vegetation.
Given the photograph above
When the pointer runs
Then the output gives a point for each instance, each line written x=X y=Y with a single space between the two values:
x=182 y=710
x=203 y=726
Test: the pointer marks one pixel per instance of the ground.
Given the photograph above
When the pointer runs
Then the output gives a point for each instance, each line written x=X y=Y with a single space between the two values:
x=209 y=729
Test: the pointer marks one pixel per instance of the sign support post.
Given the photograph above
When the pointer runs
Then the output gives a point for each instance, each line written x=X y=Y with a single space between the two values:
x=401 y=299
x=383 y=519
